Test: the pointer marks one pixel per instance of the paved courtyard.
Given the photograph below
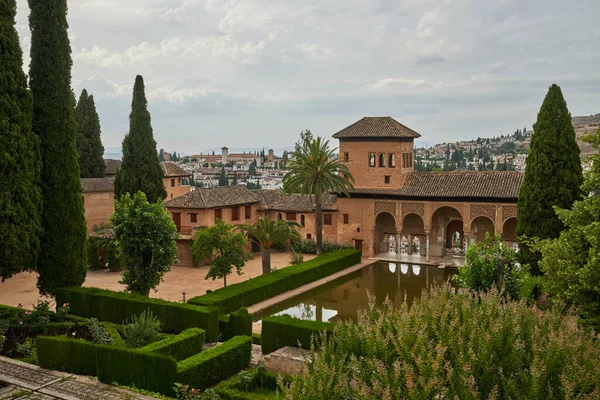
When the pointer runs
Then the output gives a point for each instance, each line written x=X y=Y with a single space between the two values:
x=21 y=289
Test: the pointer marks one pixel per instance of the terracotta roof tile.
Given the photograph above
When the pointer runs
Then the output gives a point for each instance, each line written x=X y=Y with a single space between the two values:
x=170 y=170
x=457 y=184
x=111 y=166
x=376 y=127
x=214 y=198
x=106 y=184
x=276 y=200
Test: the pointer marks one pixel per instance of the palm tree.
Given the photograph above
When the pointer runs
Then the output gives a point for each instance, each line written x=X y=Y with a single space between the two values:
x=316 y=171
x=268 y=233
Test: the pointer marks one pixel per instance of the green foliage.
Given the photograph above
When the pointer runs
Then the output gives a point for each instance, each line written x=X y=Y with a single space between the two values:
x=116 y=306
x=315 y=170
x=296 y=258
x=102 y=250
x=283 y=330
x=491 y=263
x=553 y=176
x=20 y=159
x=308 y=246
x=65 y=354
x=237 y=323
x=141 y=369
x=180 y=347
x=212 y=366
x=224 y=247
x=571 y=262
x=223 y=180
x=254 y=384
x=62 y=259
x=98 y=332
x=257 y=289
x=252 y=169
x=89 y=143
x=140 y=170
x=453 y=346
x=269 y=233
x=146 y=242
x=141 y=331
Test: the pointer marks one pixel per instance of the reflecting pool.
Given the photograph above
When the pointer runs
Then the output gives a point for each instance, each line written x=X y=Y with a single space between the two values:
x=341 y=299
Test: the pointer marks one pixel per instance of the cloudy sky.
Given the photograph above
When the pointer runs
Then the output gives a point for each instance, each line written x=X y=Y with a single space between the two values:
x=256 y=72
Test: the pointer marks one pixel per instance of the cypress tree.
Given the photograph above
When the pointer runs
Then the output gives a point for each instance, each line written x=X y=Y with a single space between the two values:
x=140 y=169
x=62 y=260
x=89 y=143
x=553 y=175
x=223 y=181
x=20 y=194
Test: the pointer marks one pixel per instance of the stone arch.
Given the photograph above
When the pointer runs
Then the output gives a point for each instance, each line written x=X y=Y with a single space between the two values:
x=385 y=228
x=509 y=230
x=413 y=230
x=480 y=226
x=447 y=231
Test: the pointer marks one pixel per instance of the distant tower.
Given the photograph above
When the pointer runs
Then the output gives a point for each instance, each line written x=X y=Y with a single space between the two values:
x=271 y=156
x=224 y=155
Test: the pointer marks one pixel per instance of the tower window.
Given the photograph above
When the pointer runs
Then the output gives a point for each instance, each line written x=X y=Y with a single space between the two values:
x=382 y=160
x=326 y=219
x=387 y=179
x=346 y=157
x=392 y=163
x=346 y=218
x=371 y=159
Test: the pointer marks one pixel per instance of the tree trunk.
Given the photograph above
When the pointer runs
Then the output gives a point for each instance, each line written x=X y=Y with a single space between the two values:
x=266 y=260
x=225 y=281
x=319 y=224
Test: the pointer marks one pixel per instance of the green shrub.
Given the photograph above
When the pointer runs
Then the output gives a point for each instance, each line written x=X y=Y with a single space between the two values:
x=65 y=354
x=141 y=369
x=296 y=258
x=259 y=386
x=142 y=330
x=238 y=323
x=261 y=288
x=180 y=347
x=283 y=330
x=102 y=252
x=256 y=338
x=115 y=335
x=453 y=346
x=308 y=246
x=219 y=363
x=98 y=332
x=117 y=306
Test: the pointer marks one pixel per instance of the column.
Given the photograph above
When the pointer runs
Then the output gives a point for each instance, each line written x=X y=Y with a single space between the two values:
x=467 y=238
x=410 y=245
x=427 y=248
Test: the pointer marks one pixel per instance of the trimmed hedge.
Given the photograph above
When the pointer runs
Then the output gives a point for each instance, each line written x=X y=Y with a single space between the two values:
x=238 y=323
x=252 y=291
x=180 y=347
x=128 y=367
x=116 y=307
x=64 y=354
x=281 y=331
x=256 y=338
x=232 y=390
x=217 y=364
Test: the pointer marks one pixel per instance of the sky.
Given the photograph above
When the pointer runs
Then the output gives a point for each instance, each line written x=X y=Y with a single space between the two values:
x=252 y=73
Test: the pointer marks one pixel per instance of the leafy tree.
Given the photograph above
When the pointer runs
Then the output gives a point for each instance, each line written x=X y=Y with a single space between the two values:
x=268 y=233
x=140 y=169
x=451 y=346
x=62 y=260
x=491 y=263
x=252 y=169
x=252 y=185
x=146 y=242
x=223 y=246
x=20 y=193
x=186 y=159
x=553 y=176
x=89 y=143
x=235 y=180
x=315 y=171
x=570 y=262
x=223 y=181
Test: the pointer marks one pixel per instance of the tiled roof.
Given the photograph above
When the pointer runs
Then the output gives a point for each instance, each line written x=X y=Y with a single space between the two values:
x=278 y=201
x=170 y=170
x=106 y=184
x=376 y=127
x=214 y=198
x=111 y=166
x=457 y=184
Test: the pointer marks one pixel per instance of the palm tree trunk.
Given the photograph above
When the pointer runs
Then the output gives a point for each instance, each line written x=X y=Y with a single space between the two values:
x=319 y=224
x=266 y=260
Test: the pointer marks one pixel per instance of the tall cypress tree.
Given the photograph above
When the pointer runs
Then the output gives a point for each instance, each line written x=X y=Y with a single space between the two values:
x=20 y=194
x=89 y=143
x=62 y=260
x=140 y=169
x=223 y=181
x=553 y=175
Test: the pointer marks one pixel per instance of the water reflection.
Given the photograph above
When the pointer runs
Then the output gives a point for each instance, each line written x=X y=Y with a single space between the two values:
x=342 y=299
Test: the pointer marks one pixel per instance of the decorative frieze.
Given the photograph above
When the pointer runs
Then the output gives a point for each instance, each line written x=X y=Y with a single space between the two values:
x=413 y=208
x=482 y=210
x=509 y=212
x=385 y=206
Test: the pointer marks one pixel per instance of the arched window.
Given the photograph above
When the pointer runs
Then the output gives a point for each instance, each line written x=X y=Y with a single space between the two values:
x=382 y=160
x=371 y=159
x=303 y=220
x=392 y=163
x=279 y=216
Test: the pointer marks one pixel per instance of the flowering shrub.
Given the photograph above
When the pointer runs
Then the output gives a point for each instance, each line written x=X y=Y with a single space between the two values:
x=448 y=346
